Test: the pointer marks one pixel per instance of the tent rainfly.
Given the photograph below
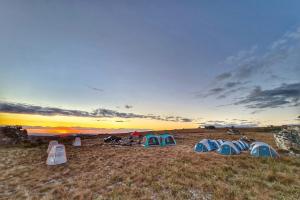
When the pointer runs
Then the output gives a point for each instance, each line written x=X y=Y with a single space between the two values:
x=228 y=148
x=255 y=143
x=220 y=142
x=57 y=155
x=167 y=140
x=263 y=150
x=77 y=142
x=136 y=134
x=245 y=143
x=51 y=144
x=205 y=145
x=238 y=145
x=151 y=140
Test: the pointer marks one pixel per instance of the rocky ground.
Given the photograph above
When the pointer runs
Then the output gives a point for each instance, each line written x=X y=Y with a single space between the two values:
x=102 y=171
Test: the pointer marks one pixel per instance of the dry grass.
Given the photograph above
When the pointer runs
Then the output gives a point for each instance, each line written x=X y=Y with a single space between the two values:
x=99 y=171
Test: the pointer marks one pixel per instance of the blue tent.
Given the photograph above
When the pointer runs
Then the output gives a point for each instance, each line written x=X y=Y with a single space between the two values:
x=255 y=143
x=238 y=145
x=263 y=150
x=151 y=140
x=245 y=144
x=205 y=145
x=167 y=139
x=228 y=148
x=214 y=144
x=220 y=142
x=242 y=144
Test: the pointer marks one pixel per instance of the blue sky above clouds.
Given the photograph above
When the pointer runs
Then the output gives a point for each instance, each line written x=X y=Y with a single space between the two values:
x=202 y=60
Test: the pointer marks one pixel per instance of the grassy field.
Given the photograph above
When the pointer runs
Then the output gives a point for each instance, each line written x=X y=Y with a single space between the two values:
x=100 y=171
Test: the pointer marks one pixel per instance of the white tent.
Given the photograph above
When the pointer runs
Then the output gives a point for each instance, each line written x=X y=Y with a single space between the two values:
x=57 y=155
x=51 y=144
x=77 y=142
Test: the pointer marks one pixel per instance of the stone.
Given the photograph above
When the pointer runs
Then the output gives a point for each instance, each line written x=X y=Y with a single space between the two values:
x=288 y=139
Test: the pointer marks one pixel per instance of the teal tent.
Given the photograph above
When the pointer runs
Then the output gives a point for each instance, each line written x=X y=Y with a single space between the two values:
x=263 y=150
x=150 y=140
x=167 y=140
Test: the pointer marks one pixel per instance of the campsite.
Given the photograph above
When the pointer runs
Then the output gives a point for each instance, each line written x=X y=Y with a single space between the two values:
x=97 y=170
x=149 y=100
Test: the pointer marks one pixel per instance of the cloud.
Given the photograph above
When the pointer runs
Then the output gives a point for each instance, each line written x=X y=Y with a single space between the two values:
x=128 y=106
x=224 y=76
x=285 y=95
x=278 y=63
x=95 y=89
x=21 y=108
x=224 y=91
x=229 y=123
x=251 y=63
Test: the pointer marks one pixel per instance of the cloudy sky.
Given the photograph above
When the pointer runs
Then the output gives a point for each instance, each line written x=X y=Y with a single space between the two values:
x=149 y=64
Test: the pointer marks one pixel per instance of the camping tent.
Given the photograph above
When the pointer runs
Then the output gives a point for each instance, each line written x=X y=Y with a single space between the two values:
x=242 y=145
x=167 y=139
x=51 y=144
x=150 y=140
x=263 y=150
x=205 y=145
x=238 y=145
x=255 y=143
x=215 y=145
x=228 y=148
x=57 y=155
x=77 y=142
x=220 y=142
x=136 y=134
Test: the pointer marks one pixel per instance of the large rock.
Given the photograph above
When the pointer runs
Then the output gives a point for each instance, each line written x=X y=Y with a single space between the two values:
x=10 y=135
x=288 y=139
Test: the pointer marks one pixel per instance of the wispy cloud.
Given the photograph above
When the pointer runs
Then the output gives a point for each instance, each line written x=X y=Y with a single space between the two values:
x=128 y=106
x=280 y=63
x=95 y=88
x=224 y=76
x=229 y=123
x=97 y=113
x=285 y=95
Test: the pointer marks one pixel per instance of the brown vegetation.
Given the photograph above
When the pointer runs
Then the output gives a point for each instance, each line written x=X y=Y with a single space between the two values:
x=101 y=171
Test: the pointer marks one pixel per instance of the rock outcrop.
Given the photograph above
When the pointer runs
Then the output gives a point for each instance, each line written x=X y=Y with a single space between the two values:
x=288 y=139
x=10 y=135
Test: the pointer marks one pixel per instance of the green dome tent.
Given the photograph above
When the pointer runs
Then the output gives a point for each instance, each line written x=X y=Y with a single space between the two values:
x=167 y=140
x=150 y=140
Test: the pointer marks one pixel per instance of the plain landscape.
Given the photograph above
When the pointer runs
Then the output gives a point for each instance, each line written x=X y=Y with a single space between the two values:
x=97 y=170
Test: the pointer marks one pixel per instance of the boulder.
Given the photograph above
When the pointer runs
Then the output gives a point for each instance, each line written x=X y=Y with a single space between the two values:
x=10 y=135
x=288 y=139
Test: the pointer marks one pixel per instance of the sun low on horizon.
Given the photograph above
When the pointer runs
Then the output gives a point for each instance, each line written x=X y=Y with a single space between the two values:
x=107 y=67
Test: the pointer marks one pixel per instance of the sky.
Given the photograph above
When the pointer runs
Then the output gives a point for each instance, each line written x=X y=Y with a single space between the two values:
x=128 y=65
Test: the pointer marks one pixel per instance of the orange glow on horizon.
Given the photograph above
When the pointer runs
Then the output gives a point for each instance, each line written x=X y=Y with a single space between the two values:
x=68 y=124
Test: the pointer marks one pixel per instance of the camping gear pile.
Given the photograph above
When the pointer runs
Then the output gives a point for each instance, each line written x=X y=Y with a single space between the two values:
x=289 y=139
x=233 y=131
x=151 y=140
x=256 y=149
x=134 y=138
x=112 y=139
